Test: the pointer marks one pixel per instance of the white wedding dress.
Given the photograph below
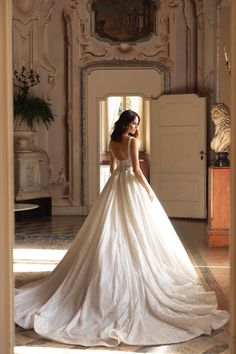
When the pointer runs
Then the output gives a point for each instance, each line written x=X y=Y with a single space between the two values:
x=126 y=278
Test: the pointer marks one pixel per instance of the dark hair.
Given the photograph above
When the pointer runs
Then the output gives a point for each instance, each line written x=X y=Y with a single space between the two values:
x=122 y=124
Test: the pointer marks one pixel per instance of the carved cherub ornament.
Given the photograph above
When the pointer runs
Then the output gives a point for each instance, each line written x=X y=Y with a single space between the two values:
x=220 y=116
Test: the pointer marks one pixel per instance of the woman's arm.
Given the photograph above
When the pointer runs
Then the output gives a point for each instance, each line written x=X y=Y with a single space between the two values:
x=136 y=167
x=112 y=160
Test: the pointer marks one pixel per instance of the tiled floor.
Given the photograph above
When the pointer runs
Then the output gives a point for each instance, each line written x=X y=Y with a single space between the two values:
x=52 y=236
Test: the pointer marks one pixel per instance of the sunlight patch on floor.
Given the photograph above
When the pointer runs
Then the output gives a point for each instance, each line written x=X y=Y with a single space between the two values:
x=45 y=260
x=51 y=350
x=36 y=260
x=214 y=266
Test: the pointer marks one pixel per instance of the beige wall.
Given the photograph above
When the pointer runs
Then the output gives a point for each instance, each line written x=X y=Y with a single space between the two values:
x=224 y=41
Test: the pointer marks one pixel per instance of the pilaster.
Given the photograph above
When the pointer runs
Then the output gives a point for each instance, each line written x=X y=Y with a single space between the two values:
x=6 y=180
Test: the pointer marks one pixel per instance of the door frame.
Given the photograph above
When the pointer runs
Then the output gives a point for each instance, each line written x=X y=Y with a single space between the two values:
x=156 y=80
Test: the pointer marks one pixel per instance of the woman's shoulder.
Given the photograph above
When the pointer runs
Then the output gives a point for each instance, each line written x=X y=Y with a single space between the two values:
x=135 y=140
x=134 y=143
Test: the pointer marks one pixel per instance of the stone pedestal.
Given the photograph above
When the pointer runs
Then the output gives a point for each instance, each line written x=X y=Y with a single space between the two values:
x=31 y=174
x=218 y=207
x=28 y=183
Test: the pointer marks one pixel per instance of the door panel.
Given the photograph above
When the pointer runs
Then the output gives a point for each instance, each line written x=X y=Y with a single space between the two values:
x=177 y=156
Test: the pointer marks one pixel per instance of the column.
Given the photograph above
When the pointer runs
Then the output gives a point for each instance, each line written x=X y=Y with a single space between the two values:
x=6 y=180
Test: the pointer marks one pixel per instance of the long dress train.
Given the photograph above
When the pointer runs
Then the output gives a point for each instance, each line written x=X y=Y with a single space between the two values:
x=126 y=278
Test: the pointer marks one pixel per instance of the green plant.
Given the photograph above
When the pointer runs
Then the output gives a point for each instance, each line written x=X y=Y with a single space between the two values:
x=27 y=108
x=31 y=110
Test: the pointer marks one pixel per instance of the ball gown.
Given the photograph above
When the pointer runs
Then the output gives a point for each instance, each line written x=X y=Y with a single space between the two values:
x=125 y=279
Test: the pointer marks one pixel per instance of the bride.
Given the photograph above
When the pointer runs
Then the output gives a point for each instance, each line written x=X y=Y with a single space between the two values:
x=126 y=277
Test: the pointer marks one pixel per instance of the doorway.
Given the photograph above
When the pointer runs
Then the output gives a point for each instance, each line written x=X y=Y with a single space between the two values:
x=100 y=84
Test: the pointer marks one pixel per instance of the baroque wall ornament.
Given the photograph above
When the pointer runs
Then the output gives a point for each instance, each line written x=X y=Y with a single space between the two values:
x=47 y=13
x=81 y=21
x=74 y=4
x=25 y=7
x=199 y=7
x=68 y=21
x=173 y=3
x=158 y=49
x=25 y=27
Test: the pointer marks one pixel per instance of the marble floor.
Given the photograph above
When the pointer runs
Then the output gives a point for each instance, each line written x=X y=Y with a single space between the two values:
x=42 y=242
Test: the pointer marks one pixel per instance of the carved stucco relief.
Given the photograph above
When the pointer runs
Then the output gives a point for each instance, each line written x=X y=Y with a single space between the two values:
x=47 y=12
x=206 y=34
x=189 y=11
x=30 y=37
x=25 y=24
x=173 y=3
x=91 y=49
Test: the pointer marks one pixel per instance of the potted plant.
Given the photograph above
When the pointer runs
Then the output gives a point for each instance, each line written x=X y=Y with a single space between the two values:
x=28 y=110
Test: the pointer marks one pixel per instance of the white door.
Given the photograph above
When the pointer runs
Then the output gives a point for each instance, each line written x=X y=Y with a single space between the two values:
x=177 y=154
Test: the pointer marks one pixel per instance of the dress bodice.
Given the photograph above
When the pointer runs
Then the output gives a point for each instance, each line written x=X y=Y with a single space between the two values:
x=123 y=165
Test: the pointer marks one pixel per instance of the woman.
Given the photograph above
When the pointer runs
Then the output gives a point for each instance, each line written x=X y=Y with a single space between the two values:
x=125 y=127
x=126 y=277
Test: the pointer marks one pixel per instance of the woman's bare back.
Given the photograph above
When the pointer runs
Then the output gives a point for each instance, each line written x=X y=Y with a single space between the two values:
x=120 y=149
